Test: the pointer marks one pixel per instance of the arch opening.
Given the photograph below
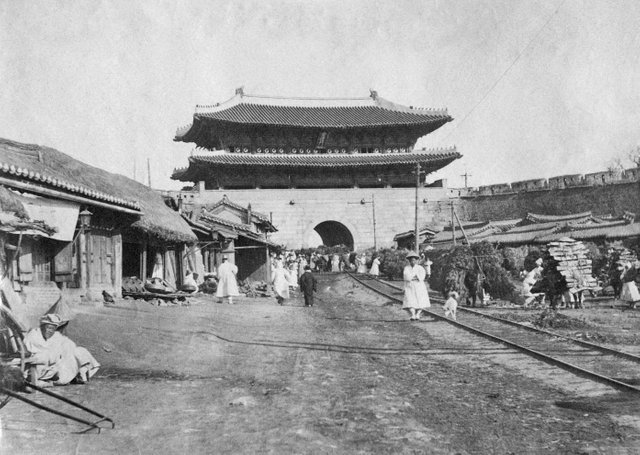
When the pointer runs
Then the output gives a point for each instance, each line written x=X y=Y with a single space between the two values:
x=334 y=233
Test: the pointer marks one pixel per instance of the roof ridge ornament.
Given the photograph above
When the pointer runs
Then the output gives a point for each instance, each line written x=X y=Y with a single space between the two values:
x=240 y=91
x=373 y=94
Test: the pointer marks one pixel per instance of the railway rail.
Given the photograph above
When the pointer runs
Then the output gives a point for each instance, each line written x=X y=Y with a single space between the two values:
x=598 y=363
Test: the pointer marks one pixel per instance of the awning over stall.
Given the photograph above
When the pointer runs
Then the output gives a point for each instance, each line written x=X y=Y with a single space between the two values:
x=61 y=215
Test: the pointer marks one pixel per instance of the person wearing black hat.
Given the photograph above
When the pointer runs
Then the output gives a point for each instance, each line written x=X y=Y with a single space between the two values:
x=416 y=297
x=308 y=285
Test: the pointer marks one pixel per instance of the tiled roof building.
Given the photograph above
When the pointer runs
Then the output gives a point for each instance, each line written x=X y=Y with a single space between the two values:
x=542 y=229
x=340 y=169
x=364 y=142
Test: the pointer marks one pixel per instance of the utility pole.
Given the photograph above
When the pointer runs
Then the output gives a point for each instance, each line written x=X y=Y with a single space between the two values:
x=149 y=171
x=453 y=226
x=373 y=206
x=466 y=176
x=417 y=234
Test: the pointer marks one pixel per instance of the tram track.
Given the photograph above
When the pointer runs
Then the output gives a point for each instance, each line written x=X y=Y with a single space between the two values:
x=595 y=362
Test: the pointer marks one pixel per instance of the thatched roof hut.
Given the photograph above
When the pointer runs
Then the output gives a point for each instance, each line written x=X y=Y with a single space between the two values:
x=45 y=170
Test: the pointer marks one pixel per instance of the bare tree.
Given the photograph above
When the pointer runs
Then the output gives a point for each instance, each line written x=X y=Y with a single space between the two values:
x=634 y=155
x=616 y=166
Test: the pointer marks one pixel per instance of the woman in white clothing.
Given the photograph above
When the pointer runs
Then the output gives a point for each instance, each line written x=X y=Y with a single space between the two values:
x=375 y=267
x=280 y=281
x=416 y=296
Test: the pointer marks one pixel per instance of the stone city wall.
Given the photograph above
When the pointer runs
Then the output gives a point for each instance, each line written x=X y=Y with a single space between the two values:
x=601 y=200
x=553 y=183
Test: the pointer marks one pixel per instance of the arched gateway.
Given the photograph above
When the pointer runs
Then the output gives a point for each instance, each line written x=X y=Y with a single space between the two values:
x=305 y=163
x=334 y=233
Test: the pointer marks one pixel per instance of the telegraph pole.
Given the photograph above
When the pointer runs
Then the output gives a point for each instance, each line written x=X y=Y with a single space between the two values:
x=417 y=234
x=466 y=176
x=149 y=171
x=373 y=205
x=453 y=226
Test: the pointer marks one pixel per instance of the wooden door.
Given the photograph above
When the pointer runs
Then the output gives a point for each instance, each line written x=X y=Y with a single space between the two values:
x=101 y=251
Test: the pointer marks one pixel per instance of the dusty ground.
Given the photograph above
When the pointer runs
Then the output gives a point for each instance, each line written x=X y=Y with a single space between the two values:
x=351 y=375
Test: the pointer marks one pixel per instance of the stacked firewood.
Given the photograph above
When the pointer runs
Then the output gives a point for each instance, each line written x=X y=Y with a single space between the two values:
x=624 y=255
x=573 y=263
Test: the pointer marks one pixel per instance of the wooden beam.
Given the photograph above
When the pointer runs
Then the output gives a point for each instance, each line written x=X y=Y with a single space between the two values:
x=61 y=195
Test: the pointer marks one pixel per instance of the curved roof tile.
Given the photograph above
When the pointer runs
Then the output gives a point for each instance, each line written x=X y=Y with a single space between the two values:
x=326 y=160
x=314 y=113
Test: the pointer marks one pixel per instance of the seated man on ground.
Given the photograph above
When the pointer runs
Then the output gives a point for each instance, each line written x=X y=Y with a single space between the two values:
x=54 y=359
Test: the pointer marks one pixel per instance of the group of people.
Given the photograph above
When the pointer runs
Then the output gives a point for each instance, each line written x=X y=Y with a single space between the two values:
x=292 y=271
x=537 y=285
x=333 y=262
x=297 y=275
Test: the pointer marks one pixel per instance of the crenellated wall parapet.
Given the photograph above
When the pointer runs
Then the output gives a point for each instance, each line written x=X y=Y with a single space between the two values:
x=608 y=177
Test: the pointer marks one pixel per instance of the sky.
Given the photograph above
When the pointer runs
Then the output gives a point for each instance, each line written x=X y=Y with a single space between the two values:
x=536 y=88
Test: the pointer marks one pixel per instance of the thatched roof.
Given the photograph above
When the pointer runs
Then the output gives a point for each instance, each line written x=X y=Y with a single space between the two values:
x=11 y=203
x=14 y=218
x=50 y=168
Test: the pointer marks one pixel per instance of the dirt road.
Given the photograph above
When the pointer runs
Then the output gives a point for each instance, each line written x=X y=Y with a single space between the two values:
x=350 y=375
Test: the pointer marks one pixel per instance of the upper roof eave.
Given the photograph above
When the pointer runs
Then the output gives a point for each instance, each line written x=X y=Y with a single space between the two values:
x=370 y=112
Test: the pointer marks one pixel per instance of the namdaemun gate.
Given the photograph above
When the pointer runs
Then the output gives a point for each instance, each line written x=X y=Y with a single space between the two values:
x=325 y=171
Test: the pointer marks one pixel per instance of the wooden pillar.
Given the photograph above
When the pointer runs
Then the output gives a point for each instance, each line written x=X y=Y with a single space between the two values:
x=267 y=268
x=83 y=259
x=143 y=262
x=116 y=268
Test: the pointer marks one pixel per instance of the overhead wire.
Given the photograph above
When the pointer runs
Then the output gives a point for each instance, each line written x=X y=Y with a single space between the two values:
x=506 y=71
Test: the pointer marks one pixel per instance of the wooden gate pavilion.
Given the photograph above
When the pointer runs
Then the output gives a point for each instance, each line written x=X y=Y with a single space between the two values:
x=342 y=170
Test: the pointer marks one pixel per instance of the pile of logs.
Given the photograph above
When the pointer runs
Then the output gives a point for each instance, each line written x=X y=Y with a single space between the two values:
x=624 y=255
x=573 y=263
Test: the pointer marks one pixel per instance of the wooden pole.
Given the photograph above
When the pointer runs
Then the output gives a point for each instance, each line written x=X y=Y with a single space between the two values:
x=453 y=226
x=373 y=204
x=417 y=245
x=149 y=171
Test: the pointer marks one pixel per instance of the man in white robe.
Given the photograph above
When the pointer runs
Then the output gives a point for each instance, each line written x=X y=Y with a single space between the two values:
x=301 y=266
x=361 y=262
x=227 y=283
x=416 y=297
x=280 y=281
x=335 y=263
x=530 y=279
x=375 y=267
x=55 y=359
